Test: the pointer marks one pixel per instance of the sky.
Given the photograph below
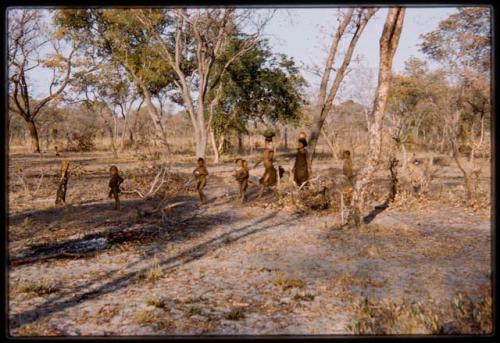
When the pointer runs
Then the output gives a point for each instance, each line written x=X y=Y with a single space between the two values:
x=305 y=35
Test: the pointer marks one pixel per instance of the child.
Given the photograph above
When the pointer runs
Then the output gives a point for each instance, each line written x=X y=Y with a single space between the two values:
x=114 y=183
x=242 y=175
x=347 y=166
x=200 y=174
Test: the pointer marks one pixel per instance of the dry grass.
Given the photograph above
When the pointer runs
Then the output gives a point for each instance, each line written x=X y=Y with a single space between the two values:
x=462 y=315
x=156 y=301
x=195 y=310
x=304 y=297
x=40 y=287
x=146 y=317
x=234 y=314
x=37 y=330
x=153 y=274
x=286 y=283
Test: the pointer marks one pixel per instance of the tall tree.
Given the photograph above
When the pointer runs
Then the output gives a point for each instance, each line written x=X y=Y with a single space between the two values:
x=462 y=44
x=200 y=36
x=418 y=98
x=388 y=46
x=358 y=19
x=115 y=36
x=259 y=86
x=26 y=40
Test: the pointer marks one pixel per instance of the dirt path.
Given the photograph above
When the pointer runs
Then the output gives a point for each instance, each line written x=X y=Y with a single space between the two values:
x=225 y=268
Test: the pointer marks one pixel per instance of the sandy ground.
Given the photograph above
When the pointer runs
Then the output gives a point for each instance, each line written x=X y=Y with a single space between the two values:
x=219 y=268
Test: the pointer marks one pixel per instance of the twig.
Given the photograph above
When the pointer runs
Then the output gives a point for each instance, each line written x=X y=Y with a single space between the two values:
x=26 y=190
x=39 y=182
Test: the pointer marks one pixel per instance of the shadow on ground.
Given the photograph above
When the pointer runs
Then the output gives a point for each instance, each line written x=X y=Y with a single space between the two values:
x=72 y=297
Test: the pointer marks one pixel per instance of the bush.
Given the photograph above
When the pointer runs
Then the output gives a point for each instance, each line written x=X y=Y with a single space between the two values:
x=81 y=142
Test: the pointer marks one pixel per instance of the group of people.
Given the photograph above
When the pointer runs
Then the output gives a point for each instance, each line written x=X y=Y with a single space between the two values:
x=301 y=171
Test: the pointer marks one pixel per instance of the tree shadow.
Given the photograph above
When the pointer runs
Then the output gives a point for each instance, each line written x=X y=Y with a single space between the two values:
x=375 y=212
x=139 y=230
x=188 y=255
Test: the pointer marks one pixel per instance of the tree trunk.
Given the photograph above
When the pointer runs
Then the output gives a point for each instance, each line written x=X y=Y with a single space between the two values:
x=214 y=147
x=201 y=142
x=405 y=156
x=466 y=174
x=388 y=45
x=286 y=138
x=240 y=143
x=325 y=103
x=35 y=142
x=330 y=144
x=63 y=184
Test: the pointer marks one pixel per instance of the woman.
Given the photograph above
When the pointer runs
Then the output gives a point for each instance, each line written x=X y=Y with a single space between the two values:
x=302 y=168
x=269 y=178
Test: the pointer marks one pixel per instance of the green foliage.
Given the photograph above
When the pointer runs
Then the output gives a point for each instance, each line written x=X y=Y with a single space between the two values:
x=419 y=98
x=116 y=36
x=258 y=86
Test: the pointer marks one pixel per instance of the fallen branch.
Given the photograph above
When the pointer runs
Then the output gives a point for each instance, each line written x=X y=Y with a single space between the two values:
x=308 y=181
x=158 y=181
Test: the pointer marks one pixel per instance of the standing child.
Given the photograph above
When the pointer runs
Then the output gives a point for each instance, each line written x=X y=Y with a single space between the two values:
x=347 y=166
x=114 y=183
x=200 y=174
x=242 y=175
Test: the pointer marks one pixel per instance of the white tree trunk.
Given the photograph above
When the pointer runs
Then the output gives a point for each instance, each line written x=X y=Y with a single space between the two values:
x=388 y=45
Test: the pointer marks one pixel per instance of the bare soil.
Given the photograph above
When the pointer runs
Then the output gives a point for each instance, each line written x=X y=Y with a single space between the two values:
x=222 y=267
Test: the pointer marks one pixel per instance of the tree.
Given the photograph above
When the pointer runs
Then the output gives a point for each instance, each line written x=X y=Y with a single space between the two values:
x=358 y=19
x=462 y=44
x=111 y=94
x=116 y=37
x=462 y=41
x=25 y=43
x=200 y=37
x=388 y=46
x=418 y=99
x=259 y=86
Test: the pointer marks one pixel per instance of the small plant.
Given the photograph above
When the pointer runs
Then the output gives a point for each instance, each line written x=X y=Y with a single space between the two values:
x=156 y=302
x=146 y=317
x=42 y=287
x=153 y=274
x=288 y=283
x=234 y=314
x=195 y=310
x=304 y=297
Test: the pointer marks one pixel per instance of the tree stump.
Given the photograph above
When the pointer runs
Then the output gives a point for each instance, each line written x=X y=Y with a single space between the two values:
x=63 y=183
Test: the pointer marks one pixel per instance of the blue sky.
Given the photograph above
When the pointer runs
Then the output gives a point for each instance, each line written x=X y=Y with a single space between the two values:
x=305 y=35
